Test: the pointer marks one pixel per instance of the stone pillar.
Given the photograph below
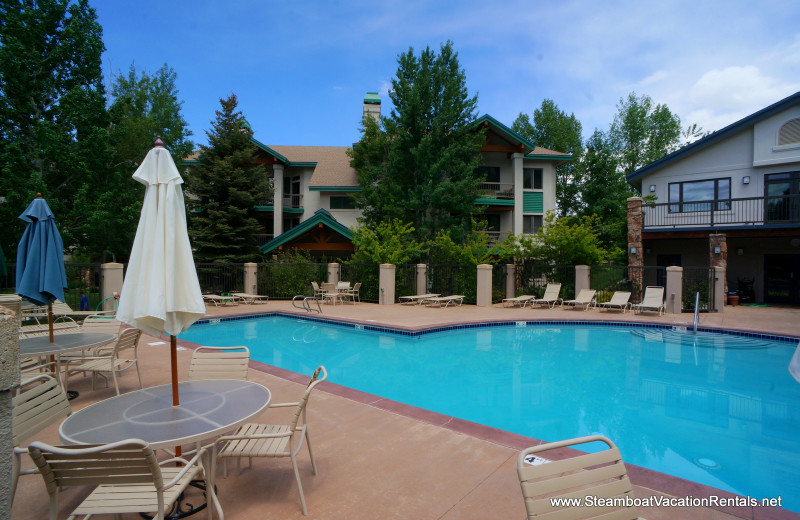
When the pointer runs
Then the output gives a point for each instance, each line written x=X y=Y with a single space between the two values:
x=277 y=199
x=422 y=279
x=582 y=278
x=387 y=284
x=718 y=242
x=9 y=378
x=110 y=284
x=484 y=285
x=719 y=289
x=516 y=165
x=635 y=259
x=333 y=272
x=251 y=278
x=674 y=290
x=511 y=280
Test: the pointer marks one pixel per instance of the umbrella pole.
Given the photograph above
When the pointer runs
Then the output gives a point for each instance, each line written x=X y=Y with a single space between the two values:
x=50 y=320
x=173 y=352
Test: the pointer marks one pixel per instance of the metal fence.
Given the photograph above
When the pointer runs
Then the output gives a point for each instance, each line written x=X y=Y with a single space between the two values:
x=446 y=279
x=533 y=279
x=698 y=280
x=81 y=279
x=216 y=278
x=282 y=281
x=369 y=276
x=405 y=280
x=499 y=275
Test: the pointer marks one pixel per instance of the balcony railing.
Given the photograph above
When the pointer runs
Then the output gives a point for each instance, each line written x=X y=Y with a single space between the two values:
x=289 y=201
x=746 y=212
x=496 y=190
x=495 y=237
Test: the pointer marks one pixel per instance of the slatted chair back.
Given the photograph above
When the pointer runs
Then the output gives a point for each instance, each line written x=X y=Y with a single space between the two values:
x=653 y=296
x=219 y=363
x=102 y=324
x=600 y=474
x=41 y=403
x=300 y=411
x=620 y=298
x=551 y=291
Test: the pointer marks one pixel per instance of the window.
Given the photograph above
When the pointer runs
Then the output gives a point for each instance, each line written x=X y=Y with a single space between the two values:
x=532 y=178
x=705 y=195
x=789 y=132
x=489 y=173
x=342 y=202
x=531 y=223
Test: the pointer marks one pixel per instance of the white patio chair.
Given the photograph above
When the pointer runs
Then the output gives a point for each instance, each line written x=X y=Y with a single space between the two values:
x=653 y=300
x=619 y=300
x=219 y=363
x=585 y=299
x=122 y=356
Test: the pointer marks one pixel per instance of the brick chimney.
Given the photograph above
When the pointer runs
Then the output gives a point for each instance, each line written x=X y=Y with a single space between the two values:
x=372 y=105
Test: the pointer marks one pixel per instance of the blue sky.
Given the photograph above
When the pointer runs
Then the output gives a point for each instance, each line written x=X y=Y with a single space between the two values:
x=301 y=68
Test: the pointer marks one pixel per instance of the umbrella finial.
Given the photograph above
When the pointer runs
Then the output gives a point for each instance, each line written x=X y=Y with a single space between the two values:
x=158 y=143
x=38 y=194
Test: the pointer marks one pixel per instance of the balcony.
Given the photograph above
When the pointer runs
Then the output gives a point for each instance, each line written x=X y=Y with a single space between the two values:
x=496 y=190
x=496 y=237
x=290 y=201
x=763 y=212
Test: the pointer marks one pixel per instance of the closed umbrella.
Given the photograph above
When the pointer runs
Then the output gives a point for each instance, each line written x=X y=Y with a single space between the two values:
x=41 y=277
x=161 y=293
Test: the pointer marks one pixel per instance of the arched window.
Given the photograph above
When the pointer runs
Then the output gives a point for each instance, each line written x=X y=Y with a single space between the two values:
x=789 y=132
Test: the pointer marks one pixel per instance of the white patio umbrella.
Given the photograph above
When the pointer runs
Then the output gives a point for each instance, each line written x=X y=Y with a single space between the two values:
x=161 y=293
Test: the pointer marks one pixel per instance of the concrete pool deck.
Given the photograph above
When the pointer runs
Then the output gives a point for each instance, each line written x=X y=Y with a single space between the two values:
x=381 y=459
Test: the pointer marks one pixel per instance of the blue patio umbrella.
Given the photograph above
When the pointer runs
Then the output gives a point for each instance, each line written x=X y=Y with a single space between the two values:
x=41 y=277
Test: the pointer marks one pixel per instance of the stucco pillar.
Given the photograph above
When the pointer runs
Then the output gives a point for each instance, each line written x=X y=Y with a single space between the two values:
x=582 y=278
x=422 y=279
x=333 y=272
x=635 y=252
x=674 y=290
x=718 y=255
x=484 y=285
x=516 y=165
x=719 y=289
x=386 y=282
x=511 y=280
x=277 y=199
x=251 y=278
x=110 y=284
x=9 y=378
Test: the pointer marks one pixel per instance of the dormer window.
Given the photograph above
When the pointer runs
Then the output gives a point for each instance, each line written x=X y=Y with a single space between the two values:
x=789 y=132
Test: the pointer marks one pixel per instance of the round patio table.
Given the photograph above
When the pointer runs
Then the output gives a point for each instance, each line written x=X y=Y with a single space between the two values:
x=208 y=408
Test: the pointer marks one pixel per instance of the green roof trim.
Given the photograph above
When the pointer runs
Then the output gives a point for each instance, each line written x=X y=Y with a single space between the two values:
x=285 y=210
x=495 y=202
x=504 y=129
x=335 y=188
x=321 y=216
x=548 y=157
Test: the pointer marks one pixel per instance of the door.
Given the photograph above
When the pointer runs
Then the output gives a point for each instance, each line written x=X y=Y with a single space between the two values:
x=783 y=197
x=782 y=279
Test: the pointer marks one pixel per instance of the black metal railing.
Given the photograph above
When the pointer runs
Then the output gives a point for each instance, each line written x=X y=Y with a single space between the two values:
x=702 y=280
x=446 y=279
x=405 y=280
x=751 y=211
x=533 y=279
x=81 y=279
x=217 y=278
x=369 y=276
x=282 y=281
x=499 y=276
x=496 y=190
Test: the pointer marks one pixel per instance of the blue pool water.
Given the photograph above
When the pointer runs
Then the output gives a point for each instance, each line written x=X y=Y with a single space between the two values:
x=717 y=409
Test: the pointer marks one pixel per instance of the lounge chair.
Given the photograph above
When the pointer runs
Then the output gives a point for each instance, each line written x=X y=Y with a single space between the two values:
x=653 y=300
x=417 y=299
x=600 y=475
x=218 y=300
x=445 y=301
x=519 y=301
x=250 y=299
x=619 y=300
x=267 y=440
x=61 y=309
x=128 y=476
x=550 y=296
x=219 y=363
x=585 y=298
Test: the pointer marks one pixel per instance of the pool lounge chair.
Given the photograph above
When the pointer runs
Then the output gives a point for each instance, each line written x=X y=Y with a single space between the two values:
x=417 y=299
x=600 y=475
x=619 y=300
x=585 y=298
x=445 y=301
x=218 y=300
x=519 y=301
x=60 y=309
x=250 y=299
x=550 y=296
x=653 y=300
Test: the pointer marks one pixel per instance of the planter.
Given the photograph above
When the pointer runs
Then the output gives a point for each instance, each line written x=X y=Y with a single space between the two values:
x=733 y=299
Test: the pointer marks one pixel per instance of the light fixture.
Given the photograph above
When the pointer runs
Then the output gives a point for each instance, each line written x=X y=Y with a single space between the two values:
x=746 y=179
x=717 y=250
x=633 y=250
x=740 y=251
x=652 y=188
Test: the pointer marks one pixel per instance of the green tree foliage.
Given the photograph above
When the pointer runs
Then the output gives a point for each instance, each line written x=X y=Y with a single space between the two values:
x=389 y=242
x=419 y=164
x=53 y=135
x=565 y=241
x=552 y=128
x=643 y=132
x=223 y=190
x=143 y=107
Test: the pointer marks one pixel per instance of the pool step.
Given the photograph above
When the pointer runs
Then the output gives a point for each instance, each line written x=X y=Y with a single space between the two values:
x=701 y=339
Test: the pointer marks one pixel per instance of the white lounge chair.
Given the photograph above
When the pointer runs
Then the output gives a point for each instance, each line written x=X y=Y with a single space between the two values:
x=218 y=300
x=518 y=301
x=445 y=301
x=550 y=296
x=619 y=300
x=585 y=299
x=417 y=299
x=250 y=299
x=653 y=300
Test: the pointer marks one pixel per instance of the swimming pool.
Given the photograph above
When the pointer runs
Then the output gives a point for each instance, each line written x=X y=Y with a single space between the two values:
x=717 y=409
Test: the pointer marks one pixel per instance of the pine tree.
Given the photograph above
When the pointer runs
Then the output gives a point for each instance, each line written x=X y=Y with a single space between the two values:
x=223 y=190
x=419 y=164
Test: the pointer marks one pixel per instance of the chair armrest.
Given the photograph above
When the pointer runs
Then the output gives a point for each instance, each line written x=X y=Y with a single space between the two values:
x=282 y=405
x=187 y=466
